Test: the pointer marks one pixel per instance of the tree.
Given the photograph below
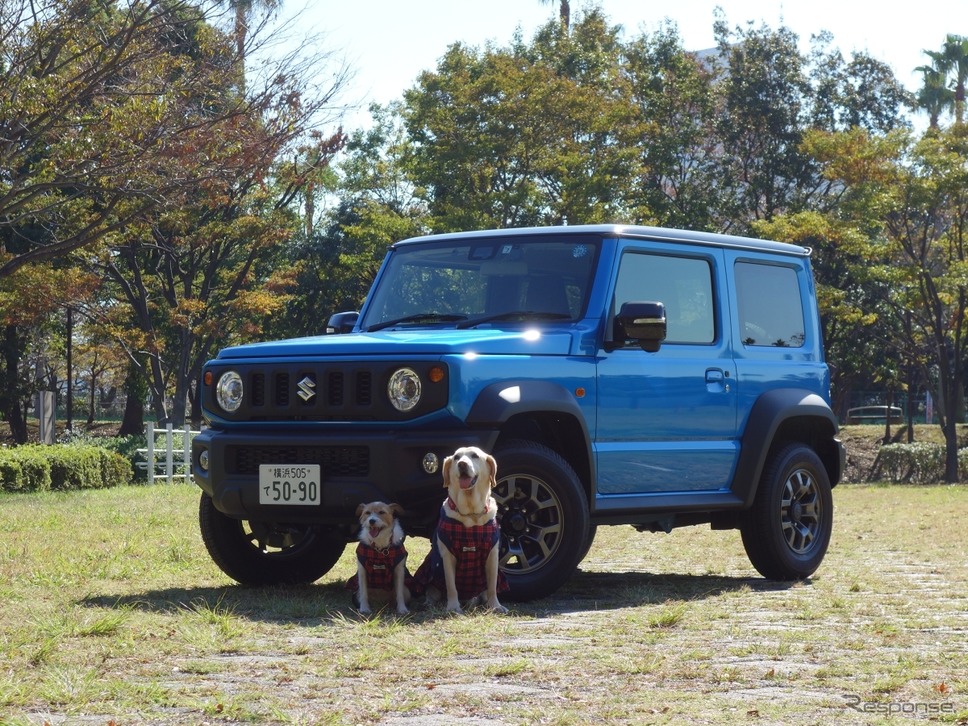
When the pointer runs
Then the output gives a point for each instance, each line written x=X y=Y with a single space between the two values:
x=764 y=90
x=30 y=298
x=862 y=92
x=564 y=12
x=521 y=136
x=100 y=361
x=85 y=106
x=242 y=11
x=674 y=115
x=951 y=62
x=330 y=266
x=198 y=273
x=906 y=202
x=934 y=97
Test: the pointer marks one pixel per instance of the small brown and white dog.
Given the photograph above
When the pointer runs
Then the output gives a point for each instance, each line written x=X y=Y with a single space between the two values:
x=381 y=559
x=463 y=561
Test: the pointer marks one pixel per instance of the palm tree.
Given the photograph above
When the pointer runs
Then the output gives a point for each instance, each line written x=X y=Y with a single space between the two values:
x=564 y=12
x=952 y=63
x=243 y=11
x=934 y=96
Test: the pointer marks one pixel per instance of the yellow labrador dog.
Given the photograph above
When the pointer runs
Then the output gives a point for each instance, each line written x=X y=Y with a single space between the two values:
x=463 y=561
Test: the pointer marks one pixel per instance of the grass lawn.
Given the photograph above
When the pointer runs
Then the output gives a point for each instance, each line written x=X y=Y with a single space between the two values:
x=112 y=613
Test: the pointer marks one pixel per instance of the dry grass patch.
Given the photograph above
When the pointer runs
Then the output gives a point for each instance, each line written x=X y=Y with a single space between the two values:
x=111 y=611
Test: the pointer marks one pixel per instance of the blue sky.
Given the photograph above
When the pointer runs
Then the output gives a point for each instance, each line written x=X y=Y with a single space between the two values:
x=387 y=44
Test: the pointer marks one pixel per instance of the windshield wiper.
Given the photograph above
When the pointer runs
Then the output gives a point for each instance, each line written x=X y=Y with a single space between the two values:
x=513 y=315
x=418 y=318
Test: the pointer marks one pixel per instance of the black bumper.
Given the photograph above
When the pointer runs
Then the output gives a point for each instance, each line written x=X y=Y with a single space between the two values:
x=386 y=466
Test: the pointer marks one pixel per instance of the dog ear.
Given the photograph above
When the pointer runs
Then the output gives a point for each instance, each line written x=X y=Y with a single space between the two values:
x=395 y=509
x=492 y=465
x=359 y=510
x=446 y=470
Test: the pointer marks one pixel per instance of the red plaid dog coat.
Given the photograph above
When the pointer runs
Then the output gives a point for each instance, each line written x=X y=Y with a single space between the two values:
x=379 y=566
x=471 y=546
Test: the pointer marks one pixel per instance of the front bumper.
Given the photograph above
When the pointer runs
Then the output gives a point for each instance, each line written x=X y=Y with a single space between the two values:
x=385 y=466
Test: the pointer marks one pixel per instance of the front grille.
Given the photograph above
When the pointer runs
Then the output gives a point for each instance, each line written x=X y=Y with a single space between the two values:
x=335 y=461
x=346 y=391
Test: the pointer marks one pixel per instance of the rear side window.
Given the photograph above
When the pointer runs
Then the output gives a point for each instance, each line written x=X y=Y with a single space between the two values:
x=770 y=309
x=682 y=284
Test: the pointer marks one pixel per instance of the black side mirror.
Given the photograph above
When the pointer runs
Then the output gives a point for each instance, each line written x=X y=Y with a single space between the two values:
x=341 y=322
x=644 y=322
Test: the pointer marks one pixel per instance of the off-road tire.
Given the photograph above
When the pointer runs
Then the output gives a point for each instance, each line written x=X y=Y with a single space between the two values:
x=258 y=553
x=787 y=530
x=544 y=518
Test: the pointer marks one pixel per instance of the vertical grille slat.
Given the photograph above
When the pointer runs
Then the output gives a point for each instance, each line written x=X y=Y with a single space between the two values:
x=364 y=388
x=334 y=388
x=258 y=389
x=282 y=389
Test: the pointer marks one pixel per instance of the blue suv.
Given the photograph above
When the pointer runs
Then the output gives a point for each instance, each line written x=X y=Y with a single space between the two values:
x=619 y=374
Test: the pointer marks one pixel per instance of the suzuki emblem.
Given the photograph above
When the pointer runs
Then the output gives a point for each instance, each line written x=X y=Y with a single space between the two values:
x=307 y=388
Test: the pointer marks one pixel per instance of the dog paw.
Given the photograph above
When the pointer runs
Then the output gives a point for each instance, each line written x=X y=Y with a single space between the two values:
x=498 y=608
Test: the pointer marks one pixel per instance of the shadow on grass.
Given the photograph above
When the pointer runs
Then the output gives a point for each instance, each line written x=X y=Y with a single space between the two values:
x=597 y=590
x=281 y=603
x=329 y=603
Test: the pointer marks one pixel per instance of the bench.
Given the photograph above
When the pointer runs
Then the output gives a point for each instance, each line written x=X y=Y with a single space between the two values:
x=874 y=414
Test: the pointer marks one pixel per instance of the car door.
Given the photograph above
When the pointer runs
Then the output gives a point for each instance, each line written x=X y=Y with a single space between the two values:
x=667 y=420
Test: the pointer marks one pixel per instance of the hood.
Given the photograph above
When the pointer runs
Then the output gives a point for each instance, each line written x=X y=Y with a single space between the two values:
x=408 y=343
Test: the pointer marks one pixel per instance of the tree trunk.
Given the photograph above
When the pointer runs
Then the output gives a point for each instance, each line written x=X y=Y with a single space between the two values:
x=10 y=396
x=950 y=382
x=133 y=421
x=887 y=418
x=91 y=406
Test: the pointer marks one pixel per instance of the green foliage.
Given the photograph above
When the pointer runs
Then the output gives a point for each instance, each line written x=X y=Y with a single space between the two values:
x=29 y=465
x=916 y=463
x=37 y=467
x=11 y=474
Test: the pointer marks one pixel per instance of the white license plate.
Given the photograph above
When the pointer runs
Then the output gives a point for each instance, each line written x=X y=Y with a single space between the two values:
x=282 y=484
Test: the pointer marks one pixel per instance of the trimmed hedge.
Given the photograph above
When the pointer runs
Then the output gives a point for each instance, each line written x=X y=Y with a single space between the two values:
x=37 y=468
x=917 y=463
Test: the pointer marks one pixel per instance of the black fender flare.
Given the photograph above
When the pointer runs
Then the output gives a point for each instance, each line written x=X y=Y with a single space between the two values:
x=498 y=402
x=770 y=412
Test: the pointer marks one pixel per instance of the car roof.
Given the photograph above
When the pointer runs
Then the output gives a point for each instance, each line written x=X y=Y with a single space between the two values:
x=625 y=231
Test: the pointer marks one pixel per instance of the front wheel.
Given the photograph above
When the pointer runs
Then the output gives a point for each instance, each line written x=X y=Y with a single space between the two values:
x=261 y=553
x=544 y=519
x=788 y=528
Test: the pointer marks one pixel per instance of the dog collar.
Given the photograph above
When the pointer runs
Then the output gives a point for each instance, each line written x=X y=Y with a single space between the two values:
x=385 y=551
x=451 y=504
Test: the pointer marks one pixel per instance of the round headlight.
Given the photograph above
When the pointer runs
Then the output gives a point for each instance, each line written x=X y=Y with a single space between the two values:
x=404 y=389
x=228 y=391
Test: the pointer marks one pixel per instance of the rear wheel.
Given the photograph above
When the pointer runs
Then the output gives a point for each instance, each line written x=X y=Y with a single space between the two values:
x=544 y=518
x=788 y=528
x=263 y=553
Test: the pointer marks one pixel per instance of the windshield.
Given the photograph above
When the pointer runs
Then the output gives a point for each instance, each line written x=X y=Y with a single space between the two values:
x=483 y=280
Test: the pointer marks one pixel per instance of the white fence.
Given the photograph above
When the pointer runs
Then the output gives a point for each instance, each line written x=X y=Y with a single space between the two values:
x=165 y=461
